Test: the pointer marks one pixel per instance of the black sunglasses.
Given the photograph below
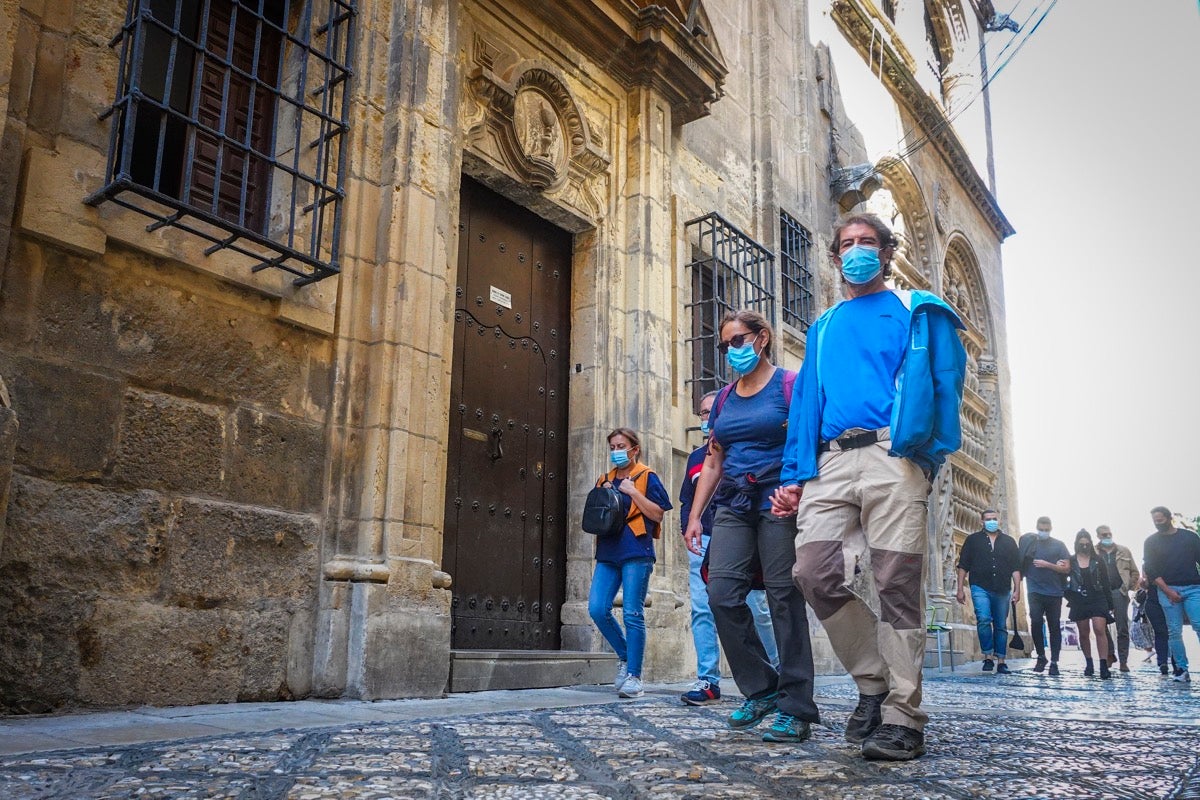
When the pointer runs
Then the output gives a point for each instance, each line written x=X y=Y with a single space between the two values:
x=737 y=340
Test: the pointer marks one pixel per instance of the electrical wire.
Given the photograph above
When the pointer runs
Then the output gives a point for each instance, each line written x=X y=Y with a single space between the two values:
x=947 y=120
x=993 y=72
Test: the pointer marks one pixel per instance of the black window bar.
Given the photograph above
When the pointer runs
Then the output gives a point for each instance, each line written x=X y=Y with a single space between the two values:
x=795 y=247
x=229 y=123
x=729 y=271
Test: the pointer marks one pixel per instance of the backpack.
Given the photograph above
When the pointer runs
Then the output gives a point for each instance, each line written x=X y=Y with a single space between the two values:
x=603 y=514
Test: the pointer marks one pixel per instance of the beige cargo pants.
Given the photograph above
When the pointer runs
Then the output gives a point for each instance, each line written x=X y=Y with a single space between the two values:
x=861 y=543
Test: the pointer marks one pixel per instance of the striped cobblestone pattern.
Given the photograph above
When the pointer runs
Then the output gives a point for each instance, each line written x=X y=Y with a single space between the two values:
x=1018 y=736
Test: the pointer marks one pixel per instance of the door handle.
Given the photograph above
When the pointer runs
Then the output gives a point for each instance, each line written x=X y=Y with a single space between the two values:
x=496 y=451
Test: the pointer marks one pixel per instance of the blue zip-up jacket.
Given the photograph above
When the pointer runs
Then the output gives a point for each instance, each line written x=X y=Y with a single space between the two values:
x=925 y=424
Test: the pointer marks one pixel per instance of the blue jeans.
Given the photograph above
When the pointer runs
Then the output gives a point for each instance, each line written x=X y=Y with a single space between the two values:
x=632 y=577
x=761 y=609
x=1174 y=614
x=991 y=620
x=704 y=629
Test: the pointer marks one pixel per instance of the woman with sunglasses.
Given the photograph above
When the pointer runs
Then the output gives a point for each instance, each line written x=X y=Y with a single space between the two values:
x=748 y=431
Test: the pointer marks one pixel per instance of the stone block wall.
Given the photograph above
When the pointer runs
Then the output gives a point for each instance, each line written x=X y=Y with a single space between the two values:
x=163 y=531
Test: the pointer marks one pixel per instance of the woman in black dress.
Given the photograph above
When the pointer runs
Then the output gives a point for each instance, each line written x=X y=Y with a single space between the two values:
x=1090 y=601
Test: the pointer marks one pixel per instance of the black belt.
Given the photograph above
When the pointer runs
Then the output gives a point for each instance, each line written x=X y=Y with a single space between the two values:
x=851 y=441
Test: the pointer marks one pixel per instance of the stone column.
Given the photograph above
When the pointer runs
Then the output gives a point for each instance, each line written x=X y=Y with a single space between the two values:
x=645 y=357
x=383 y=625
x=631 y=384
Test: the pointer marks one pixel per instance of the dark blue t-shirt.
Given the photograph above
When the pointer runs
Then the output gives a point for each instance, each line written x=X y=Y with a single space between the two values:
x=752 y=431
x=687 y=492
x=860 y=353
x=617 y=549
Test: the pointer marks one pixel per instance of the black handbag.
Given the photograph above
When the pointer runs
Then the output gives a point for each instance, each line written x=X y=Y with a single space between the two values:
x=602 y=512
x=1016 y=642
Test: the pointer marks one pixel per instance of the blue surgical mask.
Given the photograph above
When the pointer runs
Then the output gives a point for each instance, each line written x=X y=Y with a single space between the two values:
x=742 y=360
x=1106 y=542
x=860 y=264
x=619 y=458
x=1043 y=534
x=991 y=525
x=704 y=429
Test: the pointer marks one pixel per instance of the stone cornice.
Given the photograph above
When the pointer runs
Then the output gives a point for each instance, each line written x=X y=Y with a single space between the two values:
x=875 y=40
x=646 y=44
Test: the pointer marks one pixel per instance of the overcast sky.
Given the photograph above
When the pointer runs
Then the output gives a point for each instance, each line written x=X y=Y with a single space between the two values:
x=1096 y=129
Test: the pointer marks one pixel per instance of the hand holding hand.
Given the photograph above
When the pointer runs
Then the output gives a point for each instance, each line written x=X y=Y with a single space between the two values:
x=785 y=500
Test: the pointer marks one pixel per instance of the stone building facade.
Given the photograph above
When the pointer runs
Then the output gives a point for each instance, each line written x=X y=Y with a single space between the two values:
x=315 y=313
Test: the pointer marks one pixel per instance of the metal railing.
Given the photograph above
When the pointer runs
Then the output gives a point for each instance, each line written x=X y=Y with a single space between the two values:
x=795 y=249
x=229 y=123
x=729 y=272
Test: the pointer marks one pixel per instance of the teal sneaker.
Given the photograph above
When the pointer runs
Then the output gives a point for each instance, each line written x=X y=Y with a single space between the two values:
x=787 y=728
x=751 y=712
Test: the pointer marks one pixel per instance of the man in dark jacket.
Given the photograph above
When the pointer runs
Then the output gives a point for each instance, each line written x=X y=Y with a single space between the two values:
x=990 y=561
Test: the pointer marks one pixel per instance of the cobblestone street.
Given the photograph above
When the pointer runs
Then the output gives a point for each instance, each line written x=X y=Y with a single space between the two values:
x=1018 y=736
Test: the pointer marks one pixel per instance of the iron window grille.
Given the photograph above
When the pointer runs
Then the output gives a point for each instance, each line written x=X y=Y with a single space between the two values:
x=729 y=272
x=795 y=248
x=230 y=123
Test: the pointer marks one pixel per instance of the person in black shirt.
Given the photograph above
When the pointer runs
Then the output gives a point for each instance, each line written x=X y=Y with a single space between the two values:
x=1172 y=561
x=1091 y=602
x=990 y=560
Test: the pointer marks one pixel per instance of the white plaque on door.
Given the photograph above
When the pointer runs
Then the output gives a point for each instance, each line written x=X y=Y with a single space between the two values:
x=501 y=297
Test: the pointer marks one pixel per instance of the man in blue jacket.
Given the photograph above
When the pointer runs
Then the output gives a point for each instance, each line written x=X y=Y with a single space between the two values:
x=876 y=414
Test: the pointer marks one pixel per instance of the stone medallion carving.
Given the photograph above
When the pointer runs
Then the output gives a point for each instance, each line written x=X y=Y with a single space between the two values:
x=525 y=122
x=540 y=134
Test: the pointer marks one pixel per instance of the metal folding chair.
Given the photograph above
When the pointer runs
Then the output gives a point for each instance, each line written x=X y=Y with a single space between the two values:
x=937 y=624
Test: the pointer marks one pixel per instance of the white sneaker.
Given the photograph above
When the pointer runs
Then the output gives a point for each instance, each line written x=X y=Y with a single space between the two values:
x=622 y=674
x=632 y=687
x=1183 y=677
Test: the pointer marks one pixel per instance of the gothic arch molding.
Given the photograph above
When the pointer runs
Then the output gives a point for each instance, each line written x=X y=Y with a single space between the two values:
x=963 y=287
x=908 y=213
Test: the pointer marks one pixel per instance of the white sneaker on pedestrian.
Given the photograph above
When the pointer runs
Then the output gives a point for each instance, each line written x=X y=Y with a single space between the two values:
x=631 y=688
x=622 y=674
x=1183 y=677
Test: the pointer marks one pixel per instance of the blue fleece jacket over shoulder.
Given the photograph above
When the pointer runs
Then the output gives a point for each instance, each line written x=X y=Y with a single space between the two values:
x=925 y=416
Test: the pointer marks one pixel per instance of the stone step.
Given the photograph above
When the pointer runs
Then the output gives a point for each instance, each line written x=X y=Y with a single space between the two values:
x=485 y=670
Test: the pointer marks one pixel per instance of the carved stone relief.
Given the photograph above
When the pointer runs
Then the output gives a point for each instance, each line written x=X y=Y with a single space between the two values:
x=523 y=120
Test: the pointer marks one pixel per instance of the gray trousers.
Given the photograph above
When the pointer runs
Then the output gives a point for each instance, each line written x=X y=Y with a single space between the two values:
x=731 y=551
x=1121 y=612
